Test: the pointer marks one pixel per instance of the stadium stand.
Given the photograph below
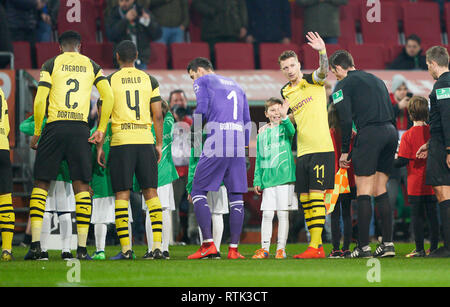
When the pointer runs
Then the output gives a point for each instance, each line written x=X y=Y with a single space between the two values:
x=101 y=53
x=384 y=32
x=297 y=24
x=87 y=28
x=422 y=18
x=234 y=56
x=310 y=58
x=183 y=53
x=45 y=51
x=22 y=55
x=158 y=56
x=367 y=56
x=269 y=52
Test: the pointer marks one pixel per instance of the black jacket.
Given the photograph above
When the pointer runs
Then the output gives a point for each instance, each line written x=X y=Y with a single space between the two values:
x=406 y=62
x=363 y=98
x=440 y=110
x=5 y=41
x=22 y=14
x=118 y=29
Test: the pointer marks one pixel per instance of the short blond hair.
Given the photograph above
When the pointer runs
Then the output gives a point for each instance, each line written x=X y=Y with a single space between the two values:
x=286 y=55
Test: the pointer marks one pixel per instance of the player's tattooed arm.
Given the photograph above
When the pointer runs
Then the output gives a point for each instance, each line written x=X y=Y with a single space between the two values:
x=323 y=68
x=317 y=43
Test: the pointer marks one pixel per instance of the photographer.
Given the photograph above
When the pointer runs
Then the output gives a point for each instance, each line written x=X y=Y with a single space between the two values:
x=129 y=21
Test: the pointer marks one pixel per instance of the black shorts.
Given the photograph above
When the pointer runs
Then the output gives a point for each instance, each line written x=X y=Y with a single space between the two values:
x=437 y=172
x=64 y=140
x=315 y=172
x=374 y=150
x=126 y=160
x=5 y=172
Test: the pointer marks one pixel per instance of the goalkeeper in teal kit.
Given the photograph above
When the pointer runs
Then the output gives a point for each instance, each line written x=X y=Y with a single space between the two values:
x=275 y=177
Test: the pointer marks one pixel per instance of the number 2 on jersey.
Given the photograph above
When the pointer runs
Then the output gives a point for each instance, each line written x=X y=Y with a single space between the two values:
x=72 y=90
x=233 y=95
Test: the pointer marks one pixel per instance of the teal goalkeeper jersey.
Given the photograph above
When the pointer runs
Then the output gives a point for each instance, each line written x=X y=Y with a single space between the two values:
x=101 y=178
x=274 y=159
x=27 y=127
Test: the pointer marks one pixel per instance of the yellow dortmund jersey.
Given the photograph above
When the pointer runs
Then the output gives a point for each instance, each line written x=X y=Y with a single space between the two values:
x=134 y=90
x=308 y=103
x=70 y=77
x=4 y=122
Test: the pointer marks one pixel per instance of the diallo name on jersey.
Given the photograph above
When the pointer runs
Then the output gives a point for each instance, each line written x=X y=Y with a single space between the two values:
x=131 y=80
x=73 y=68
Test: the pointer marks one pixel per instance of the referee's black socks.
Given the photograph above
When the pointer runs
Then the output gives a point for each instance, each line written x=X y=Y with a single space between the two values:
x=444 y=208
x=385 y=209
x=364 y=217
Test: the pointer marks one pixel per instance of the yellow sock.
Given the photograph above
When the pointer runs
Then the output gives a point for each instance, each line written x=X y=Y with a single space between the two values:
x=83 y=210
x=155 y=211
x=7 y=220
x=122 y=224
x=37 y=209
x=316 y=219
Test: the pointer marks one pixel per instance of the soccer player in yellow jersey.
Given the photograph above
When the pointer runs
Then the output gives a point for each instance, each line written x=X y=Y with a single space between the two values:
x=66 y=83
x=137 y=106
x=305 y=95
x=7 y=217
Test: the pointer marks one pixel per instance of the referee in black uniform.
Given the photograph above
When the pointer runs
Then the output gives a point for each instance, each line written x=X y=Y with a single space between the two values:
x=438 y=147
x=364 y=98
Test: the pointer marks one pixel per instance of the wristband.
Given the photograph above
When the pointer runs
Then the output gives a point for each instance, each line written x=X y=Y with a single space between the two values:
x=323 y=51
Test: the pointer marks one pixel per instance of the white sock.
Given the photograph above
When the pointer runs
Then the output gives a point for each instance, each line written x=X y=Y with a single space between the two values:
x=45 y=232
x=100 y=231
x=65 y=230
x=266 y=229
x=130 y=234
x=166 y=229
x=148 y=231
x=283 y=228
x=217 y=227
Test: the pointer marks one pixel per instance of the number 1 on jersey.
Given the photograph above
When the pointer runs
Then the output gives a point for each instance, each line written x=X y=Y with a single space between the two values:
x=233 y=95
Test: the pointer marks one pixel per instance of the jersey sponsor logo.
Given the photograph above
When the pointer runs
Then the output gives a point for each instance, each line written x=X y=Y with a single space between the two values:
x=338 y=96
x=300 y=104
x=443 y=93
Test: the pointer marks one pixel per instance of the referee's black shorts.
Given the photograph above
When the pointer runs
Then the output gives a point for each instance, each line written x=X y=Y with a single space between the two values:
x=314 y=171
x=126 y=160
x=64 y=140
x=374 y=150
x=437 y=172
x=5 y=172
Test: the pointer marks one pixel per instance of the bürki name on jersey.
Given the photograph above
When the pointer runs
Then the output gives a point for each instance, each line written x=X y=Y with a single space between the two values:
x=70 y=115
x=74 y=68
x=133 y=126
x=131 y=80
x=301 y=103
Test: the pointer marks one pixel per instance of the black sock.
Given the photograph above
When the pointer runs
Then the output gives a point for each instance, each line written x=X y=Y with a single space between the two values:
x=384 y=207
x=433 y=222
x=417 y=219
x=335 y=229
x=364 y=217
x=445 y=220
x=347 y=219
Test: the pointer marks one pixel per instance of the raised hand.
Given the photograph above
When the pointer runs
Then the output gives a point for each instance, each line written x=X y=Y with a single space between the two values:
x=315 y=41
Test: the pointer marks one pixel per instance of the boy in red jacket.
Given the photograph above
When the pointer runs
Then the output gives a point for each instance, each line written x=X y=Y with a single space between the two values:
x=420 y=196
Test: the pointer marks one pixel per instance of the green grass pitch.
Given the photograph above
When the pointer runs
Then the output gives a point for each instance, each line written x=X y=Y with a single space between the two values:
x=180 y=272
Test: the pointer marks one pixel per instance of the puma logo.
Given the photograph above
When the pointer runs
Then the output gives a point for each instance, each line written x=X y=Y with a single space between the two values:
x=6 y=216
x=238 y=210
x=85 y=208
x=320 y=181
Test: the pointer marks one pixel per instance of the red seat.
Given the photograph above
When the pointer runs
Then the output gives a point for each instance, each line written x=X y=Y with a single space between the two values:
x=383 y=32
x=394 y=52
x=100 y=53
x=183 y=53
x=45 y=51
x=369 y=56
x=269 y=53
x=297 y=24
x=447 y=17
x=195 y=24
x=422 y=19
x=310 y=57
x=158 y=56
x=22 y=55
x=234 y=56
x=86 y=24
